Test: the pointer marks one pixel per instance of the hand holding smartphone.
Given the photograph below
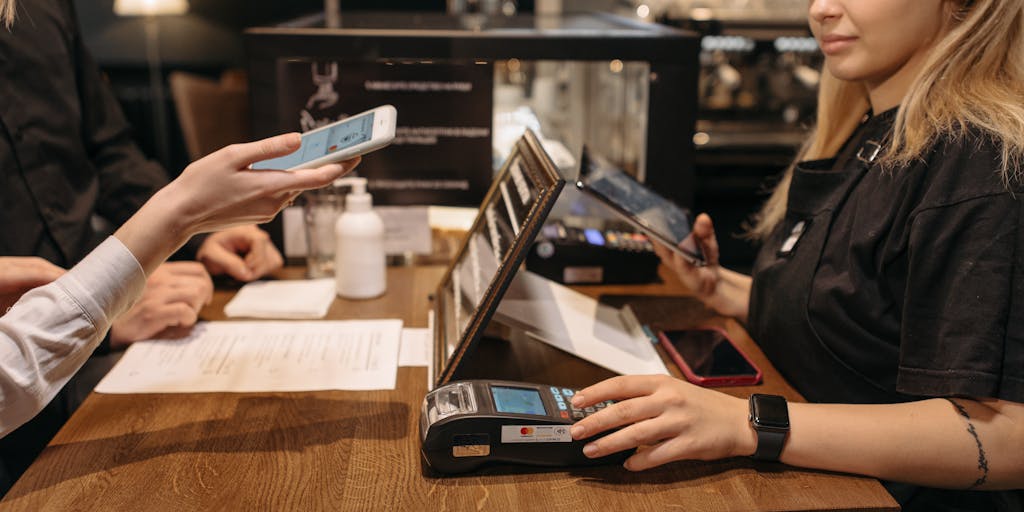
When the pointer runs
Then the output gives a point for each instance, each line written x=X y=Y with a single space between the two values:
x=343 y=140
x=707 y=357
x=665 y=222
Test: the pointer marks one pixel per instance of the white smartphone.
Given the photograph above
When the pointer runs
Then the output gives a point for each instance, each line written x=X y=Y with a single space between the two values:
x=345 y=139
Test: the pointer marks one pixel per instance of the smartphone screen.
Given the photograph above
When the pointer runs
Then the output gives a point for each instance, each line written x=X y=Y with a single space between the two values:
x=710 y=354
x=320 y=143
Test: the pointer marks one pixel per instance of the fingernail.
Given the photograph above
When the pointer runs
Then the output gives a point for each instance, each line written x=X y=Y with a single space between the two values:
x=590 y=450
x=577 y=431
x=577 y=400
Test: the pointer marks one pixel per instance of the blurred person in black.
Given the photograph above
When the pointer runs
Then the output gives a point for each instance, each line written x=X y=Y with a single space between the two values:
x=67 y=157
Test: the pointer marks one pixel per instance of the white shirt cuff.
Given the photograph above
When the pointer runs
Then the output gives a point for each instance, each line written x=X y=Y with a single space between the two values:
x=106 y=283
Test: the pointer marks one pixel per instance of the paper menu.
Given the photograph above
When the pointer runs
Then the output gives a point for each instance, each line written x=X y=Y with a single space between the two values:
x=263 y=357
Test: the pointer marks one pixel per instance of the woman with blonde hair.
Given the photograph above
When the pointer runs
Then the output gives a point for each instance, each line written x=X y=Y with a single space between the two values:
x=889 y=289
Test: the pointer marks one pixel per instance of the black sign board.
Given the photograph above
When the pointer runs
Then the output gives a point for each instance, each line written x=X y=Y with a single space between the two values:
x=442 y=148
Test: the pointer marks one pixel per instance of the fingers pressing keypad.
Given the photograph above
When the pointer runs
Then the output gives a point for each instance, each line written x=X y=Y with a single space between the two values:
x=563 y=399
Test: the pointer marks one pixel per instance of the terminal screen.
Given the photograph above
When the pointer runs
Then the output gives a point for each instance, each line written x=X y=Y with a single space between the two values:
x=517 y=401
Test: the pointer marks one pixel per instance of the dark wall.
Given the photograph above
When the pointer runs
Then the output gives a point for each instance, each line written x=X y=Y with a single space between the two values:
x=206 y=41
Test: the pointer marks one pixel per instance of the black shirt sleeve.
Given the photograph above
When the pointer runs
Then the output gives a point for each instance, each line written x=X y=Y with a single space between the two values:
x=963 y=317
x=126 y=177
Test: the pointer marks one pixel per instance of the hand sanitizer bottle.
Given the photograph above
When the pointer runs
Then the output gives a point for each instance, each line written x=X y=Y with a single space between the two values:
x=359 y=260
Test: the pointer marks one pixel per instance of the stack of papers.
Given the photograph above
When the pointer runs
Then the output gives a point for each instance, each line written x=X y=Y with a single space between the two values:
x=263 y=356
x=295 y=300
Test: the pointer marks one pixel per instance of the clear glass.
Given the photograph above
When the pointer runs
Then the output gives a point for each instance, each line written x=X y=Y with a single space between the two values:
x=321 y=209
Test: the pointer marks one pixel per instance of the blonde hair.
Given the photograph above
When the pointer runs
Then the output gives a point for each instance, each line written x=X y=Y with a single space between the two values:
x=7 y=12
x=972 y=78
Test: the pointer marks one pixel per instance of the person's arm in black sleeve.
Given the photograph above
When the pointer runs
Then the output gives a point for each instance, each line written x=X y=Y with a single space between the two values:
x=126 y=177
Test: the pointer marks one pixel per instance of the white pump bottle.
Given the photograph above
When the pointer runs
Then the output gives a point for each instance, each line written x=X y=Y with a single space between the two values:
x=359 y=260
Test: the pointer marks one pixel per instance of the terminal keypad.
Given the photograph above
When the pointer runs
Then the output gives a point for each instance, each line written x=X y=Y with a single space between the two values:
x=563 y=400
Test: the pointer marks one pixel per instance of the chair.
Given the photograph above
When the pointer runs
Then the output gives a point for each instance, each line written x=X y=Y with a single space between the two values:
x=212 y=113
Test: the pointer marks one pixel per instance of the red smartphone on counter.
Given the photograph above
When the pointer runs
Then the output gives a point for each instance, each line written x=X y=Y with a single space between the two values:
x=707 y=357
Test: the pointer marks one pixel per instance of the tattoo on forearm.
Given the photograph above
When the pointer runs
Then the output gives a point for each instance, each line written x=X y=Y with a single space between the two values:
x=982 y=461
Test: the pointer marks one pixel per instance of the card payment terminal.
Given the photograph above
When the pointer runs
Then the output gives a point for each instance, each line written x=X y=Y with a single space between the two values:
x=467 y=424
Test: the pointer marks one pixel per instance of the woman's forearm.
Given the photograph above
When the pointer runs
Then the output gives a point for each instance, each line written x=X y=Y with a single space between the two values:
x=156 y=231
x=957 y=444
x=732 y=294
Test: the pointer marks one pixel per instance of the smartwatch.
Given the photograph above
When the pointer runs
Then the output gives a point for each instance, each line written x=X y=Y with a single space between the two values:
x=769 y=416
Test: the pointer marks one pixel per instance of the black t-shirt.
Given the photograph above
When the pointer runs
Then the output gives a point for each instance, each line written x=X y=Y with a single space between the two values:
x=916 y=284
x=893 y=285
x=66 y=154
x=66 y=151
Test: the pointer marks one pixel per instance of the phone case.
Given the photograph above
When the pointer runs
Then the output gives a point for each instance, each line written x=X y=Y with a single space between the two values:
x=713 y=381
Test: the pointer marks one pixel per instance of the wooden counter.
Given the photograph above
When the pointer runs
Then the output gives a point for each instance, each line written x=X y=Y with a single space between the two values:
x=343 y=450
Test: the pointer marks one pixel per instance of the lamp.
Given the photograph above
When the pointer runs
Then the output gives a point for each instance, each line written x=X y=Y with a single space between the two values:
x=150 y=9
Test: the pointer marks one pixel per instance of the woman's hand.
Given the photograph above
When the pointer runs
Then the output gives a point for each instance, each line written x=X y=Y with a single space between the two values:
x=666 y=419
x=723 y=290
x=220 y=191
x=703 y=280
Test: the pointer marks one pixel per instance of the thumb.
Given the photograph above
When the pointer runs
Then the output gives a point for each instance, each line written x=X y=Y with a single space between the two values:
x=241 y=155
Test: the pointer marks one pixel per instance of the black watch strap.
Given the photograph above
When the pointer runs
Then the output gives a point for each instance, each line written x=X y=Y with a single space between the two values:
x=769 y=417
x=769 y=445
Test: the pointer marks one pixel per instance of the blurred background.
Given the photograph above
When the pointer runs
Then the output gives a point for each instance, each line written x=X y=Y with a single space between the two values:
x=756 y=89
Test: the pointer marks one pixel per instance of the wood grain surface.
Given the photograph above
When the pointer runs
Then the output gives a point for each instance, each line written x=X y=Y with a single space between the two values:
x=338 y=450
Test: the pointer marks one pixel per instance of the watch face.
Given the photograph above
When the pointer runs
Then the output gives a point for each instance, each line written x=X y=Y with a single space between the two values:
x=769 y=411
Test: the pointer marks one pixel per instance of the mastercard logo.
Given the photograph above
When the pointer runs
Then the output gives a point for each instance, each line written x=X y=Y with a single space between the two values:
x=526 y=431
